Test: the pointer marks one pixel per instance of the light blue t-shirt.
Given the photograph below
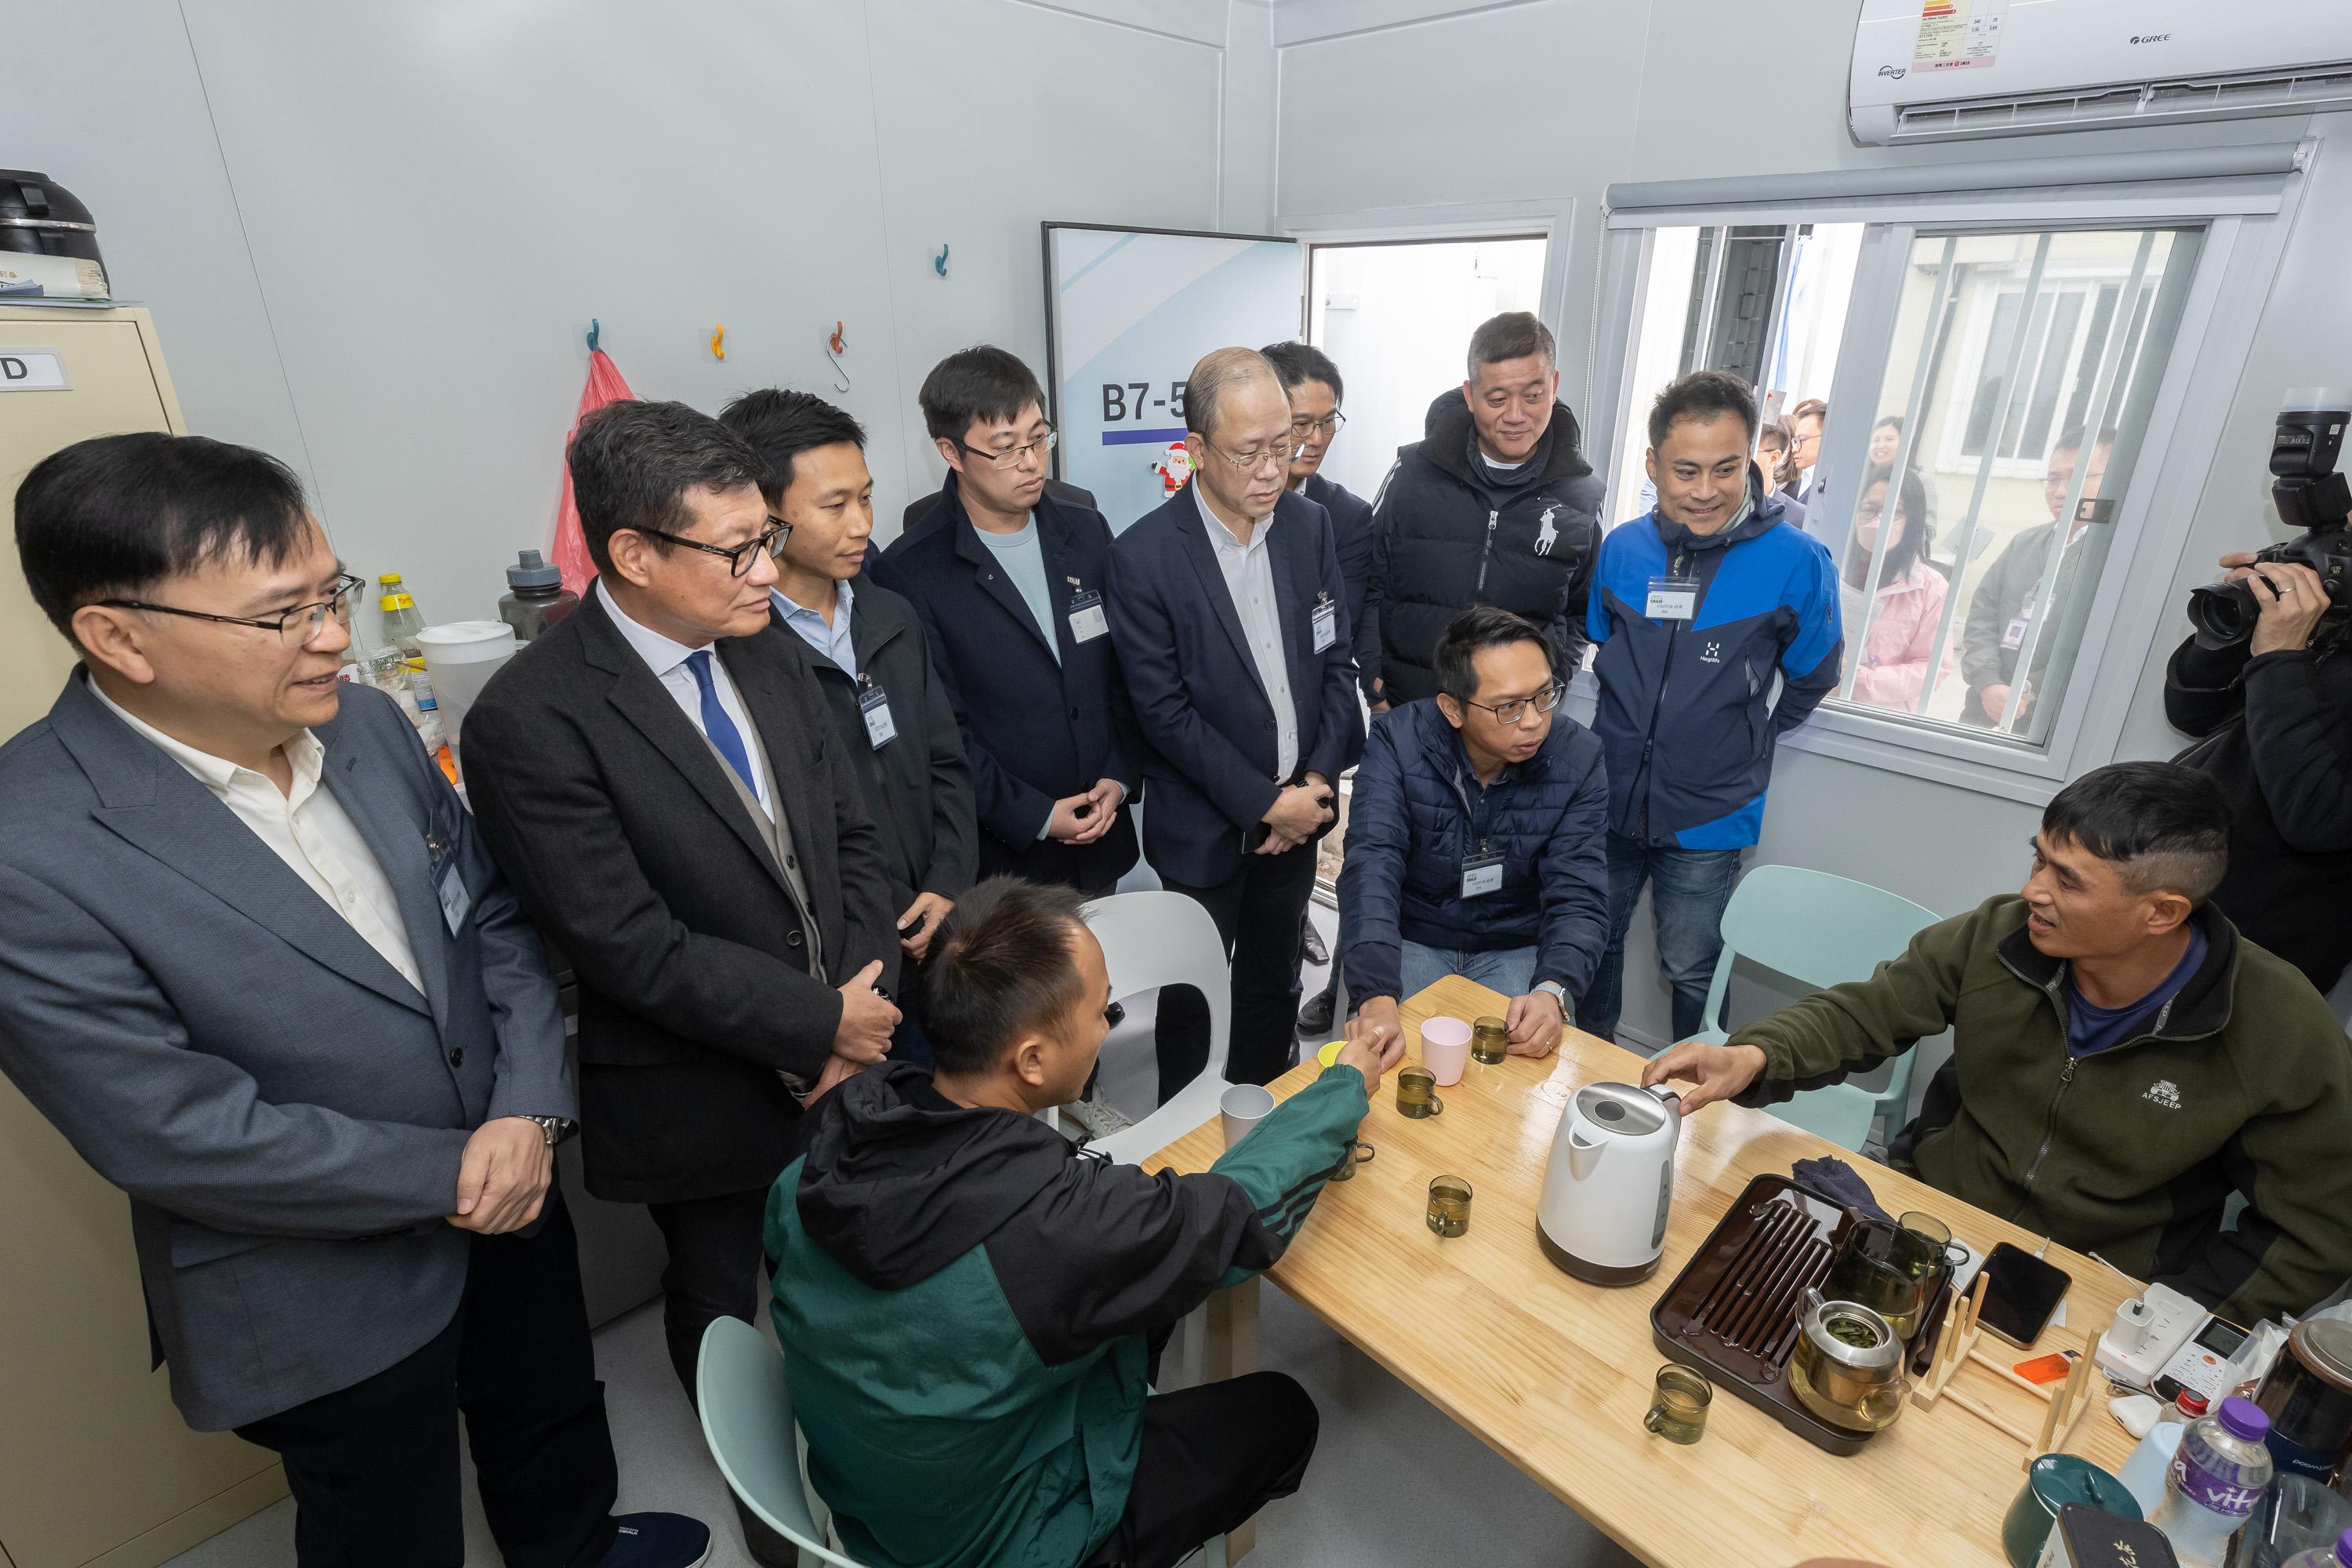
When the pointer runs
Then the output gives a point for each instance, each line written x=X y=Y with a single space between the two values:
x=1023 y=561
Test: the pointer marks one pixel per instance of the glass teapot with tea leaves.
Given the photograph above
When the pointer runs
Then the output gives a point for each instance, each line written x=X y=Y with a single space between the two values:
x=1848 y=1365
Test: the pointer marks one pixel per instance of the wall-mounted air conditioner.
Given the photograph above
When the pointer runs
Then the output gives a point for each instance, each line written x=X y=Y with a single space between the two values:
x=1935 y=70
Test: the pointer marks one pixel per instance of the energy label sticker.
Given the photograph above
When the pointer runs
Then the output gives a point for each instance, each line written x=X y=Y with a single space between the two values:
x=1957 y=34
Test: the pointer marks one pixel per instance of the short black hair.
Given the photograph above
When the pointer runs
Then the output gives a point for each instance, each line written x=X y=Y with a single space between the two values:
x=1475 y=629
x=1885 y=420
x=983 y=382
x=632 y=463
x=2159 y=824
x=1701 y=395
x=1000 y=968
x=1514 y=334
x=108 y=517
x=1297 y=364
x=782 y=424
x=2071 y=438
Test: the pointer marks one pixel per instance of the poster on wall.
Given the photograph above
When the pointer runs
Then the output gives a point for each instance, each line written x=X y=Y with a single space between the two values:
x=1127 y=314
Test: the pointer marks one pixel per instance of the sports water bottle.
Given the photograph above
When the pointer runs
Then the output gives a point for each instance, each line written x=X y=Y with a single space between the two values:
x=2337 y=1556
x=2215 y=1480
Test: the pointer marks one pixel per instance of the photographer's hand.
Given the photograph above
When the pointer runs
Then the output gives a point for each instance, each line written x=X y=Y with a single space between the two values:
x=2291 y=599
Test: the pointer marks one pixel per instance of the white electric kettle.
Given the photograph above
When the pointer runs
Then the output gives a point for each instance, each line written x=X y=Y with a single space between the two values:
x=1612 y=1175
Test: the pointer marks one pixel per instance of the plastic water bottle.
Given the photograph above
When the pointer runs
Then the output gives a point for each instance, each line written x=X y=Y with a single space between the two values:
x=2337 y=1556
x=2215 y=1480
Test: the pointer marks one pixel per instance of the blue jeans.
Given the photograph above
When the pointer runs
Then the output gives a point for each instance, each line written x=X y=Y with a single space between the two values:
x=1510 y=970
x=1689 y=890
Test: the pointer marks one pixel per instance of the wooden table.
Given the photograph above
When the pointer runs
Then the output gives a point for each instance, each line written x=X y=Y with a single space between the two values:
x=1554 y=1375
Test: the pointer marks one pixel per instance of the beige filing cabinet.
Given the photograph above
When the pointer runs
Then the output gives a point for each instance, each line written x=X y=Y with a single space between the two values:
x=96 y=1466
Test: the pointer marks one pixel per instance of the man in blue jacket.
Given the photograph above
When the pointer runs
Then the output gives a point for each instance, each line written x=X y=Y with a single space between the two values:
x=1694 y=608
x=1475 y=840
x=1229 y=613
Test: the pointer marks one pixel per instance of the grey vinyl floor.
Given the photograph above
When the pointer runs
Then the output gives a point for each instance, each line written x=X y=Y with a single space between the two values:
x=1393 y=1481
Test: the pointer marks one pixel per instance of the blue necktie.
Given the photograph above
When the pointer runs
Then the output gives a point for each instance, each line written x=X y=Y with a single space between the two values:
x=717 y=726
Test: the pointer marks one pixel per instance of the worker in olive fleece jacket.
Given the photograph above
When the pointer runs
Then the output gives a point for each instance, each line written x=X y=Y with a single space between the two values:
x=2122 y=1058
x=968 y=1306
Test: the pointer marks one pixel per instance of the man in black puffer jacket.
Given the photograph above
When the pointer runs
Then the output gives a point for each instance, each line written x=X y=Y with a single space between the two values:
x=2273 y=721
x=1494 y=506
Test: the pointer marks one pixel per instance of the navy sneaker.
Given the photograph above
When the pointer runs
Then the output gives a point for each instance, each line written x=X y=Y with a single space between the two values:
x=659 y=1541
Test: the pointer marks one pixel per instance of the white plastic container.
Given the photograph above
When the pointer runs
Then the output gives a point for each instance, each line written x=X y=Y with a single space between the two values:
x=459 y=659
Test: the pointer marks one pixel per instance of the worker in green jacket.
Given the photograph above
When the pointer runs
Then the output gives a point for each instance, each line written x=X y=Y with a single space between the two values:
x=968 y=1306
x=2122 y=1059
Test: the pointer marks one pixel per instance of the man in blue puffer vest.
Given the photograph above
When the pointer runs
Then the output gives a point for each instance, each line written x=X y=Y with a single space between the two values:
x=1476 y=839
x=1694 y=609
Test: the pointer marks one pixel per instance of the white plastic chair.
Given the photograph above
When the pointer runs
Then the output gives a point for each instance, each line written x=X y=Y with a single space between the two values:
x=1823 y=931
x=1149 y=941
x=746 y=1420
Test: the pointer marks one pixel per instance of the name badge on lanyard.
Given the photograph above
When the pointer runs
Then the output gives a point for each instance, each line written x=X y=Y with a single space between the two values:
x=874 y=703
x=1672 y=599
x=2013 y=637
x=1482 y=873
x=1326 y=622
x=1087 y=619
x=448 y=883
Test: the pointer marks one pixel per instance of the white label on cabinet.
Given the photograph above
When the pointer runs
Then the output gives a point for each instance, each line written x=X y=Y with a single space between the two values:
x=32 y=370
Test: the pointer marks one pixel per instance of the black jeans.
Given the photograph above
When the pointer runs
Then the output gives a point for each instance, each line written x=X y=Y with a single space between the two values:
x=373 y=1467
x=1260 y=911
x=714 y=1268
x=1212 y=1457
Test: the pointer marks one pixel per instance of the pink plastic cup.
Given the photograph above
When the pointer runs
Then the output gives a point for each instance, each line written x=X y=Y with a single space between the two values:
x=1446 y=1048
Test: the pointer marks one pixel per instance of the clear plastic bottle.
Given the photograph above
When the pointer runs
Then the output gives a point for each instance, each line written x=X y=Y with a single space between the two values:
x=402 y=621
x=2215 y=1482
x=2337 y=1556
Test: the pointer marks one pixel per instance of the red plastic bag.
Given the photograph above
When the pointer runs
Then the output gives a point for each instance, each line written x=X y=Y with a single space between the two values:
x=604 y=385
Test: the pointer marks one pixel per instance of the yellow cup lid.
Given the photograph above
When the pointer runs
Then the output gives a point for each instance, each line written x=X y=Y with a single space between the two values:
x=1331 y=1053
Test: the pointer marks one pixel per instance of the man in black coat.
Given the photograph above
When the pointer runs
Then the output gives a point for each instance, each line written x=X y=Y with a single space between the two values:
x=2273 y=717
x=890 y=710
x=1496 y=505
x=1008 y=583
x=659 y=776
x=1226 y=603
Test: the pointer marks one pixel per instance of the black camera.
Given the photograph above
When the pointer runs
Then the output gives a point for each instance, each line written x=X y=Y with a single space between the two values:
x=2311 y=496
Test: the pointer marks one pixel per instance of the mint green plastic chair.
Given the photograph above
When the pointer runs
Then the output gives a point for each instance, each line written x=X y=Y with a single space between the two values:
x=1820 y=930
x=746 y=1420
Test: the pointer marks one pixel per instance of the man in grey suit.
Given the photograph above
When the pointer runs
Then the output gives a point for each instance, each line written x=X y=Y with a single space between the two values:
x=257 y=965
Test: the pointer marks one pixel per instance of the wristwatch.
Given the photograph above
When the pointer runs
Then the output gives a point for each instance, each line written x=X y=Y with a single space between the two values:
x=1558 y=993
x=555 y=1128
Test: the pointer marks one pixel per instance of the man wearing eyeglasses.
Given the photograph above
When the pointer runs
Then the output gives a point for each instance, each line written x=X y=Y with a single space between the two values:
x=1228 y=612
x=1477 y=840
x=1008 y=580
x=261 y=971
x=660 y=776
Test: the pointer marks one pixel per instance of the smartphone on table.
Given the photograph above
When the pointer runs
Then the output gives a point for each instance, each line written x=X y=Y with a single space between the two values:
x=2023 y=1294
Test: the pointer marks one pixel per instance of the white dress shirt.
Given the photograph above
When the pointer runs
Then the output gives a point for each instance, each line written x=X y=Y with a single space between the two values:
x=307 y=829
x=667 y=660
x=1249 y=578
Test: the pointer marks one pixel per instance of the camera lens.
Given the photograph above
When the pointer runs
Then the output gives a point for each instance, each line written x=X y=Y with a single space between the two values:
x=2223 y=615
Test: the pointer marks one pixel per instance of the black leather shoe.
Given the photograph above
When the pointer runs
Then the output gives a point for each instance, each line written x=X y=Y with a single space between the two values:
x=1317 y=953
x=1315 y=1019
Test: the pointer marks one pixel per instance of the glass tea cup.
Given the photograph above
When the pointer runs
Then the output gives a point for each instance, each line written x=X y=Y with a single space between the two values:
x=1449 y=1205
x=1359 y=1153
x=1416 y=1093
x=1490 y=1040
x=1678 y=1405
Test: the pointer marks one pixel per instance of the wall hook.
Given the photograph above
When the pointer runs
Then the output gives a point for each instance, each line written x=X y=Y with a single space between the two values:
x=595 y=329
x=940 y=262
x=834 y=347
x=718 y=340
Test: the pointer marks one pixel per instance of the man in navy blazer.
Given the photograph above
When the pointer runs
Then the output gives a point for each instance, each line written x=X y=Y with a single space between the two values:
x=258 y=967
x=1008 y=581
x=1230 y=614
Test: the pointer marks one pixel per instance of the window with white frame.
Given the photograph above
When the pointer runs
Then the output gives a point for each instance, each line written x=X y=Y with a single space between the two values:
x=1996 y=357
